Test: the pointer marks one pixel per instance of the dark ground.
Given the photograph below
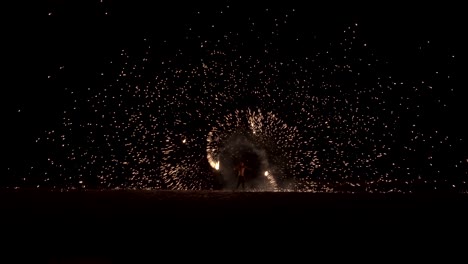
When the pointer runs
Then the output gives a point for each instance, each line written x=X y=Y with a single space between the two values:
x=66 y=226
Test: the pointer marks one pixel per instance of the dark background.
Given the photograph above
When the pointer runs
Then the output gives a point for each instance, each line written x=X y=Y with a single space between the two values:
x=120 y=227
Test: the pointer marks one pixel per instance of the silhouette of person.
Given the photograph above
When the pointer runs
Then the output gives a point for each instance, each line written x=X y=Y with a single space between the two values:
x=241 y=175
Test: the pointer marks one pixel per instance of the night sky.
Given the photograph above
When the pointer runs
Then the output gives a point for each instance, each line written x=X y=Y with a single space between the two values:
x=322 y=98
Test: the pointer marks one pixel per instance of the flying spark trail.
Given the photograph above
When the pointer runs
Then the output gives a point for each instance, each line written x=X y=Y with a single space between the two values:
x=326 y=122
